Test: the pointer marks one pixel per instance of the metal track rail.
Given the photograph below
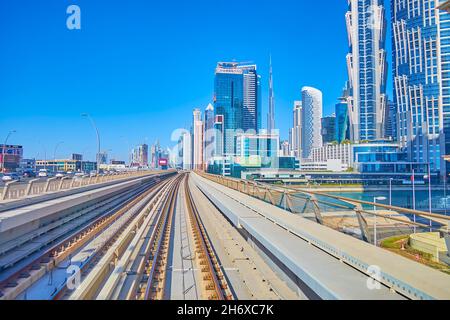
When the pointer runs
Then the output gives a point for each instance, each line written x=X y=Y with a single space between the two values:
x=51 y=258
x=98 y=268
x=153 y=281
x=215 y=282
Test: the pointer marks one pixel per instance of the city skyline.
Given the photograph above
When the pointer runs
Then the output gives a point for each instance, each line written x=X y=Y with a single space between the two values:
x=225 y=150
x=107 y=108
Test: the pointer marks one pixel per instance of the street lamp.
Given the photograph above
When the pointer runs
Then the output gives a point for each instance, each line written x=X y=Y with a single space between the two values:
x=4 y=147
x=375 y=199
x=429 y=194
x=86 y=115
x=54 y=154
x=390 y=191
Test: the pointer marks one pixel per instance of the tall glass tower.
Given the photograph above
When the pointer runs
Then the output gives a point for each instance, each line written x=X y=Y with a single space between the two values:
x=367 y=68
x=252 y=102
x=236 y=101
x=421 y=70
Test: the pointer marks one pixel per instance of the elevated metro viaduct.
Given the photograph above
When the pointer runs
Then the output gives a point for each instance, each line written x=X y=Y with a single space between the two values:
x=322 y=262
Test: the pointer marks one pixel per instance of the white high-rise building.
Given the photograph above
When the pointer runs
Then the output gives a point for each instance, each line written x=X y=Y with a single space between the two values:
x=197 y=135
x=367 y=68
x=209 y=135
x=311 y=121
x=295 y=135
x=186 y=151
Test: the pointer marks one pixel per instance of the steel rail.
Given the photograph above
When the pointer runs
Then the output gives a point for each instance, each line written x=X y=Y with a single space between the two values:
x=52 y=256
x=212 y=266
x=110 y=242
x=162 y=229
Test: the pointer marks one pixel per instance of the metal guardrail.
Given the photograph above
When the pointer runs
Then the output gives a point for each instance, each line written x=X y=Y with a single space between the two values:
x=268 y=194
x=320 y=205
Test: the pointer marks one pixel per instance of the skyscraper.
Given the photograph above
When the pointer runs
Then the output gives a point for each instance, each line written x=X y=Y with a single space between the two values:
x=251 y=116
x=390 y=131
x=285 y=150
x=186 y=152
x=155 y=155
x=139 y=156
x=271 y=115
x=209 y=136
x=422 y=93
x=311 y=120
x=342 y=121
x=367 y=68
x=329 y=129
x=236 y=102
x=296 y=130
x=197 y=140
x=343 y=116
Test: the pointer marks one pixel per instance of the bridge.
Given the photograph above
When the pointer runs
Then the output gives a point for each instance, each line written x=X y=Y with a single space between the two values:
x=193 y=236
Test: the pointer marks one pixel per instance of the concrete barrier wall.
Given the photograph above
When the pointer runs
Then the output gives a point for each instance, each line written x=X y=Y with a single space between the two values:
x=15 y=191
x=430 y=243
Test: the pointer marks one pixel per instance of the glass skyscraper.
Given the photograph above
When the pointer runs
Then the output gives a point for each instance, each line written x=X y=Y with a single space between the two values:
x=421 y=70
x=237 y=101
x=367 y=68
x=342 y=121
x=329 y=129
x=252 y=99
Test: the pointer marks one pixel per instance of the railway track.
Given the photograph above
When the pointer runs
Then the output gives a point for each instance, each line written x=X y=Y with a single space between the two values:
x=52 y=232
x=104 y=277
x=52 y=257
x=152 y=285
x=214 y=281
x=141 y=266
x=131 y=248
x=111 y=247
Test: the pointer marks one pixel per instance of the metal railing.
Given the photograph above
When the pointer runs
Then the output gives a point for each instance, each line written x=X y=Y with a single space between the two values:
x=371 y=222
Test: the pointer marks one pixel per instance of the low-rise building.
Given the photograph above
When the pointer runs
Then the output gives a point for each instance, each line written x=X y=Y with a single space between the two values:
x=66 y=165
x=370 y=157
x=330 y=165
x=10 y=157
x=343 y=152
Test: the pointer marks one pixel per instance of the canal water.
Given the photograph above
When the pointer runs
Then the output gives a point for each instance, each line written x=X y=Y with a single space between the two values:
x=404 y=199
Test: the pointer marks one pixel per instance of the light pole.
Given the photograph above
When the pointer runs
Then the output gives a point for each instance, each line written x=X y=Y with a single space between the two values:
x=45 y=154
x=414 y=197
x=4 y=147
x=375 y=199
x=54 y=154
x=429 y=194
x=87 y=115
x=390 y=191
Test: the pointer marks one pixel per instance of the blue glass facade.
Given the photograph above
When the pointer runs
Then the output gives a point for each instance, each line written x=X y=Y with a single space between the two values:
x=390 y=130
x=367 y=68
x=342 y=122
x=381 y=157
x=328 y=129
x=252 y=99
x=229 y=102
x=237 y=92
x=422 y=93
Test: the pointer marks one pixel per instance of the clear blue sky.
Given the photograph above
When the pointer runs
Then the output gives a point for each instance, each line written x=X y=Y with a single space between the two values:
x=139 y=67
